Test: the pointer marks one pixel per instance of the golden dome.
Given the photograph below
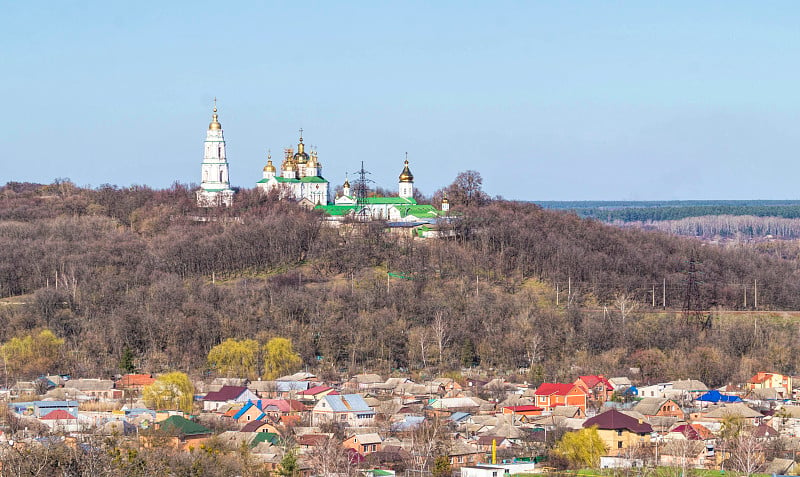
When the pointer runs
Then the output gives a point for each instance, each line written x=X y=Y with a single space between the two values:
x=346 y=183
x=406 y=175
x=215 y=121
x=288 y=165
x=301 y=157
x=444 y=200
x=269 y=167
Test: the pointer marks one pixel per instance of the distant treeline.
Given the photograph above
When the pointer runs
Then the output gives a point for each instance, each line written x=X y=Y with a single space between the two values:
x=656 y=211
x=735 y=227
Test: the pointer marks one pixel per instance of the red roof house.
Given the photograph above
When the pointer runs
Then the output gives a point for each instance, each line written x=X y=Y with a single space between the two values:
x=58 y=415
x=596 y=386
x=524 y=410
x=551 y=395
x=316 y=393
x=135 y=381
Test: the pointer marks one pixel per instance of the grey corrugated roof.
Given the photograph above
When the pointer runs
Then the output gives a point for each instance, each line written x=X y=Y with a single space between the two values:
x=734 y=409
x=650 y=406
x=287 y=386
x=91 y=384
x=347 y=402
x=689 y=385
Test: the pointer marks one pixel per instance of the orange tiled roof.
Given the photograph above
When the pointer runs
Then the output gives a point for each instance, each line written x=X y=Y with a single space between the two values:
x=137 y=380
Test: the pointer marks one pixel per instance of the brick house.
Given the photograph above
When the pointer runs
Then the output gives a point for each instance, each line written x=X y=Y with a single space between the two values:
x=551 y=395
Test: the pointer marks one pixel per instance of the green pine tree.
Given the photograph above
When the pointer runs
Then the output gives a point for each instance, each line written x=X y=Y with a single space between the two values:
x=289 y=466
x=126 y=361
x=441 y=467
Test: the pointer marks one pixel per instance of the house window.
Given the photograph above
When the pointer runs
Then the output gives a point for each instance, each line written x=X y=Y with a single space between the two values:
x=619 y=432
x=619 y=444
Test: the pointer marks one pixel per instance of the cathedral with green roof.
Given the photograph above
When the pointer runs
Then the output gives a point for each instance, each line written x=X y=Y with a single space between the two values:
x=402 y=208
x=300 y=178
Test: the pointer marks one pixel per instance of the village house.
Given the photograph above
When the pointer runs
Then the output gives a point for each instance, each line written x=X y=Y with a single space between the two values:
x=552 y=395
x=654 y=390
x=714 y=417
x=135 y=382
x=462 y=454
x=523 y=410
x=259 y=426
x=597 y=387
x=364 y=444
x=365 y=381
x=690 y=453
x=38 y=409
x=61 y=421
x=315 y=393
x=764 y=380
x=497 y=470
x=215 y=400
x=96 y=388
x=658 y=407
x=348 y=409
x=447 y=406
x=268 y=408
x=620 y=431
x=182 y=433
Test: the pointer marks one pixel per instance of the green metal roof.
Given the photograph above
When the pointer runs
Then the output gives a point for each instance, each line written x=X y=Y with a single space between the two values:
x=270 y=437
x=180 y=425
x=286 y=179
x=318 y=179
x=336 y=210
x=388 y=200
x=262 y=181
x=418 y=211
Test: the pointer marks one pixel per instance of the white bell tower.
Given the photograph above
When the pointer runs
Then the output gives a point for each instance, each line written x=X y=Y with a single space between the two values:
x=215 y=188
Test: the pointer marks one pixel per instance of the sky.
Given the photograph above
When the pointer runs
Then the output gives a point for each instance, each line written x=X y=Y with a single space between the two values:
x=576 y=100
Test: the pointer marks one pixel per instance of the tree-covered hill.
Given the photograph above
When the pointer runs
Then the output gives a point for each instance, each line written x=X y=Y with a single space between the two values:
x=118 y=271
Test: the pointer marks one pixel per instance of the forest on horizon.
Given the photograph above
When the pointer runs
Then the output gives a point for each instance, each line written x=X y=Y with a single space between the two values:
x=132 y=271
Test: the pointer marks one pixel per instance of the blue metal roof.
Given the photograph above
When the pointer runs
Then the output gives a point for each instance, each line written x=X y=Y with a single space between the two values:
x=408 y=424
x=459 y=416
x=244 y=409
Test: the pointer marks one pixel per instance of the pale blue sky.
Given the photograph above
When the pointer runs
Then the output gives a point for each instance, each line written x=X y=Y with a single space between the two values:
x=548 y=100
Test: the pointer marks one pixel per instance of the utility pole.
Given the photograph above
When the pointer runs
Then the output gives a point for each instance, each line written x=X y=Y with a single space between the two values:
x=745 y=296
x=755 y=294
x=569 y=291
x=556 y=293
x=654 y=296
x=664 y=294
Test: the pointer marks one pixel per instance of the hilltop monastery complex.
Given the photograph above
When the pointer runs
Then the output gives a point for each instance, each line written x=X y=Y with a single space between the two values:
x=300 y=179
